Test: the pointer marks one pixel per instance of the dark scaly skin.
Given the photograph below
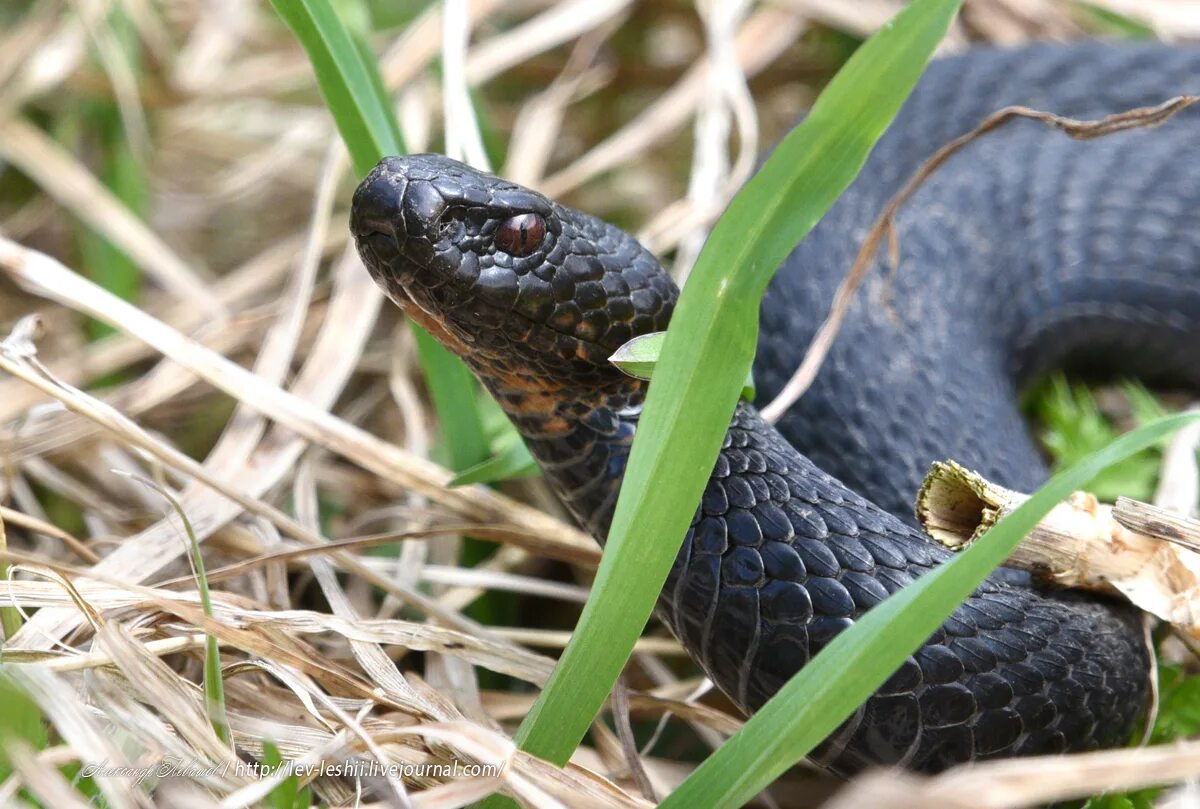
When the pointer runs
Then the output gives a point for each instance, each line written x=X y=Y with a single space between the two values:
x=1025 y=252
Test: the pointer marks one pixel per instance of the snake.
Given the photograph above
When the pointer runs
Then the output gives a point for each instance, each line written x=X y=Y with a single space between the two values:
x=1026 y=253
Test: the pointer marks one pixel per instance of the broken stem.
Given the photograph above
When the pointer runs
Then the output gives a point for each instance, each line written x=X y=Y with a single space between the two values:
x=1145 y=553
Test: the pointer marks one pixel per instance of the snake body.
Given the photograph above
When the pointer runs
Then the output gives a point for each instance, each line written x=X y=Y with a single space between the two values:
x=1028 y=251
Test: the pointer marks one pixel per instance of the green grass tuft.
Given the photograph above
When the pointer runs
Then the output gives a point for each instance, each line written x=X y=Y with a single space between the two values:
x=1073 y=427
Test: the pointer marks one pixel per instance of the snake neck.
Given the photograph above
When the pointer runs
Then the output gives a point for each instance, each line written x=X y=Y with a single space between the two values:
x=581 y=442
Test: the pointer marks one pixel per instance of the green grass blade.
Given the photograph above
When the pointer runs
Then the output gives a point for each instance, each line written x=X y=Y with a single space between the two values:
x=511 y=463
x=106 y=264
x=707 y=354
x=214 y=681
x=289 y=794
x=1106 y=22
x=839 y=679
x=452 y=389
x=10 y=617
x=350 y=83
x=124 y=175
x=20 y=720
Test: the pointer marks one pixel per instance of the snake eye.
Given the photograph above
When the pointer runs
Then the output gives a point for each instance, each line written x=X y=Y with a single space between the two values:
x=520 y=235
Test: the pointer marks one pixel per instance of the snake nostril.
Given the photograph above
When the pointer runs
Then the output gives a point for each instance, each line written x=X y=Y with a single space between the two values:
x=421 y=207
x=377 y=204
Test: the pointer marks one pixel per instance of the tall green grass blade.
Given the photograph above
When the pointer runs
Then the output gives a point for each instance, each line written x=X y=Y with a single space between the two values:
x=350 y=83
x=452 y=389
x=214 y=682
x=708 y=351
x=272 y=761
x=847 y=671
x=99 y=126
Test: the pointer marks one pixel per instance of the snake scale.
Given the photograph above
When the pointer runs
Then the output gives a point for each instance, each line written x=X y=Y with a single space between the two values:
x=1026 y=252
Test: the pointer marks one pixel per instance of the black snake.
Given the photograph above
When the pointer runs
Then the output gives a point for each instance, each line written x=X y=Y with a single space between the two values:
x=1026 y=252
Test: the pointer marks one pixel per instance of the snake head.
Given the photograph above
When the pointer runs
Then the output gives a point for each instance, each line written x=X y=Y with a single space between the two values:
x=510 y=280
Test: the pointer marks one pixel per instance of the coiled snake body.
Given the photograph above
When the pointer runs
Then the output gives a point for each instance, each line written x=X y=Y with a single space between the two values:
x=1028 y=251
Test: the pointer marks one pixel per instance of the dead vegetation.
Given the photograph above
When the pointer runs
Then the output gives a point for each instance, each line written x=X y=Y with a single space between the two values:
x=258 y=379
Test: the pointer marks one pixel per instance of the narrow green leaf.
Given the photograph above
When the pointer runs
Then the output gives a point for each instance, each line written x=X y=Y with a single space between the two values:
x=348 y=80
x=272 y=761
x=510 y=463
x=353 y=89
x=452 y=389
x=639 y=356
x=99 y=126
x=214 y=682
x=853 y=666
x=1107 y=22
x=288 y=793
x=707 y=353
x=106 y=264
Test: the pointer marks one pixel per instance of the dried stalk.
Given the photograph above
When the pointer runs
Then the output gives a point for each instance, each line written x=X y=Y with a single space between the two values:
x=1140 y=551
x=1014 y=783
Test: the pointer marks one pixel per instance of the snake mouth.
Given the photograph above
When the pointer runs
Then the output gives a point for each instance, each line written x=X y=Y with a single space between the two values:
x=379 y=250
x=392 y=225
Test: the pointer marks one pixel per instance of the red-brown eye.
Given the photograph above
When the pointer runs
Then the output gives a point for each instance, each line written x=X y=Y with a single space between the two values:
x=520 y=235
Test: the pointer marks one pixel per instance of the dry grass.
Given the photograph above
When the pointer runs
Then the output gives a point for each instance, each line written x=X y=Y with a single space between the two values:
x=259 y=379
